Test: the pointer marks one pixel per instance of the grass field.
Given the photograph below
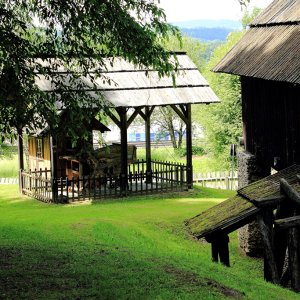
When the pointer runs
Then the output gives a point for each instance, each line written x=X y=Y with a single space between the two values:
x=134 y=248
x=9 y=167
x=201 y=164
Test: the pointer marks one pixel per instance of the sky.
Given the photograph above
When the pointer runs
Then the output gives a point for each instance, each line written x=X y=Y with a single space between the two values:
x=184 y=10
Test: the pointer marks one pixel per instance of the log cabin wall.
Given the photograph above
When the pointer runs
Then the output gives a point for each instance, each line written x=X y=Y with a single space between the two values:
x=37 y=160
x=271 y=119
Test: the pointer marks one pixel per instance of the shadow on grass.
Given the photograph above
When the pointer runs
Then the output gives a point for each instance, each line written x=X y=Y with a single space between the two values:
x=196 y=193
x=45 y=268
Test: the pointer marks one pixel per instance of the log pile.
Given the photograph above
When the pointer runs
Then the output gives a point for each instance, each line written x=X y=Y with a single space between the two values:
x=107 y=160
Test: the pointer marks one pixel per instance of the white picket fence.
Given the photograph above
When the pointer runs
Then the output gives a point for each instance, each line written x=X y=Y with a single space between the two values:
x=226 y=180
x=9 y=180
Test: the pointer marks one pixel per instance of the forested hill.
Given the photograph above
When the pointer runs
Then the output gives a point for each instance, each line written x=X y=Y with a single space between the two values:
x=207 y=34
x=208 y=30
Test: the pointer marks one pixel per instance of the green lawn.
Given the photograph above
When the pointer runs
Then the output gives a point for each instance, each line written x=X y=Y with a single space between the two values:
x=9 y=167
x=201 y=163
x=134 y=248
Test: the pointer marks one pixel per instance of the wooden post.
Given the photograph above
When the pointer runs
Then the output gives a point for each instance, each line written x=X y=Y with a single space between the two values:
x=20 y=158
x=219 y=248
x=294 y=259
x=224 y=250
x=53 y=155
x=189 y=163
x=214 y=251
x=265 y=221
x=280 y=237
x=148 y=145
x=124 y=155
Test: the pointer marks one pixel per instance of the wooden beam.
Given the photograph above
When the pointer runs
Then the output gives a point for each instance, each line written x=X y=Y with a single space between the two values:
x=288 y=222
x=148 y=145
x=189 y=154
x=179 y=113
x=294 y=259
x=288 y=190
x=183 y=109
x=269 y=201
x=53 y=156
x=151 y=110
x=124 y=150
x=280 y=239
x=113 y=118
x=20 y=158
x=143 y=115
x=264 y=220
x=133 y=116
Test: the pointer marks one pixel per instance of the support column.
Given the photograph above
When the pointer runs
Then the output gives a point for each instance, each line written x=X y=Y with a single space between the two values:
x=53 y=155
x=124 y=150
x=148 y=145
x=20 y=158
x=249 y=170
x=189 y=163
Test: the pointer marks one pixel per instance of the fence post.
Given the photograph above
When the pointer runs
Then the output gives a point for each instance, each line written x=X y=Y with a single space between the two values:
x=54 y=187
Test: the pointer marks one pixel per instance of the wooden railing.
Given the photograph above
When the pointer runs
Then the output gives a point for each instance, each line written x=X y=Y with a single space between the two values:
x=163 y=177
x=37 y=184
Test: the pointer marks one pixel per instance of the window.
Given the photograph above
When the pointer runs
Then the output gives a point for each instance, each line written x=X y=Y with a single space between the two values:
x=39 y=148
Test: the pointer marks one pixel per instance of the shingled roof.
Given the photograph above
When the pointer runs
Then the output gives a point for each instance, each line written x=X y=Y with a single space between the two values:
x=270 y=49
x=132 y=87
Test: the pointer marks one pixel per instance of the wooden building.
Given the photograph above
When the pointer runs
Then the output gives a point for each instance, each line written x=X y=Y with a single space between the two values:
x=39 y=150
x=129 y=91
x=268 y=60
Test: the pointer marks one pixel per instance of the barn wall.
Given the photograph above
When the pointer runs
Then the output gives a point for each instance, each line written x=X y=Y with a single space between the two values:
x=271 y=117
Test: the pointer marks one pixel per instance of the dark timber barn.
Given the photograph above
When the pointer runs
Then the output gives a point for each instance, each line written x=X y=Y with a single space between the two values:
x=268 y=60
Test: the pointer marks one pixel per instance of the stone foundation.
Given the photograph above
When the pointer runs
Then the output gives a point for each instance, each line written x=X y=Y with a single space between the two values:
x=249 y=171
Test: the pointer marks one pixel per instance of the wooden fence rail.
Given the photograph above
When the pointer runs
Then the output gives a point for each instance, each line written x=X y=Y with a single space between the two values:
x=38 y=184
x=220 y=180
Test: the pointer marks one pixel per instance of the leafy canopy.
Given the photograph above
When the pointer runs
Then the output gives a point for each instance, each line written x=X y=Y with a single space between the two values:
x=42 y=37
